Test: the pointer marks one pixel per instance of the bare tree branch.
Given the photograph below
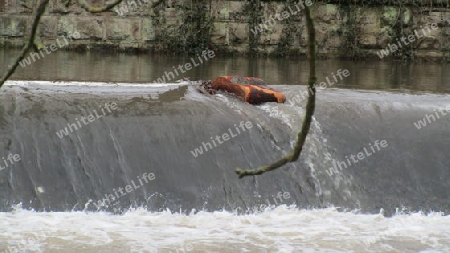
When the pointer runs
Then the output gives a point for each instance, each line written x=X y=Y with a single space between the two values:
x=310 y=106
x=30 y=44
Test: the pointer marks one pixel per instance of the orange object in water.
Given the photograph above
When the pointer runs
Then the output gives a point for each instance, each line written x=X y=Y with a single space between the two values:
x=250 y=89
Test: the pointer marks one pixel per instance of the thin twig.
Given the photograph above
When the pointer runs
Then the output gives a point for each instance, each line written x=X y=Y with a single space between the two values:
x=30 y=44
x=310 y=106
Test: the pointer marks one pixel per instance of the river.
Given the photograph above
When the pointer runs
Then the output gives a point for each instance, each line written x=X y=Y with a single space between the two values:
x=129 y=180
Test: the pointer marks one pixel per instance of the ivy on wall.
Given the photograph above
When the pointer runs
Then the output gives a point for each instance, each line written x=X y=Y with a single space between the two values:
x=286 y=42
x=254 y=11
x=349 y=31
x=187 y=26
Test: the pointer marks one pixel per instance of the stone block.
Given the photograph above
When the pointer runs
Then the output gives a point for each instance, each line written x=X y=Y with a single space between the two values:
x=327 y=13
x=272 y=35
x=369 y=27
x=89 y=28
x=219 y=33
x=66 y=25
x=428 y=43
x=321 y=33
x=333 y=43
x=148 y=29
x=438 y=16
x=235 y=11
x=446 y=38
x=171 y=13
x=435 y=17
x=172 y=16
x=13 y=26
x=238 y=32
x=47 y=27
x=118 y=29
x=24 y=6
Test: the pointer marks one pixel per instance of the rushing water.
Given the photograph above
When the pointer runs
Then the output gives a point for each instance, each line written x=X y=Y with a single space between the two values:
x=395 y=199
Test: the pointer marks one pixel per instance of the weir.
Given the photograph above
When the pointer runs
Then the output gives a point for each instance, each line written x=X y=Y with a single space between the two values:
x=74 y=172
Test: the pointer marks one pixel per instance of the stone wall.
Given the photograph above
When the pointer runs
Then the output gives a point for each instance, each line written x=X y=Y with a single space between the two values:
x=343 y=30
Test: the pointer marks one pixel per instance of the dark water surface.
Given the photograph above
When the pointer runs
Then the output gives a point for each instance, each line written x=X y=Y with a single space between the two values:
x=145 y=68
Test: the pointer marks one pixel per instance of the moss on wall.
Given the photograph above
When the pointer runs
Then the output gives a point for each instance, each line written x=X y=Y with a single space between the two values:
x=353 y=29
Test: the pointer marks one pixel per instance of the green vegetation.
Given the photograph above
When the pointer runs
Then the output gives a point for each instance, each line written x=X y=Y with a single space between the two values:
x=190 y=32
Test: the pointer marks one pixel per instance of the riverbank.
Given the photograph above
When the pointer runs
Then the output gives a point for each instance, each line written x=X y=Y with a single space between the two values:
x=356 y=31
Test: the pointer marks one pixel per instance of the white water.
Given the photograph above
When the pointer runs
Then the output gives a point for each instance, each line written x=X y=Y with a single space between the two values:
x=284 y=229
